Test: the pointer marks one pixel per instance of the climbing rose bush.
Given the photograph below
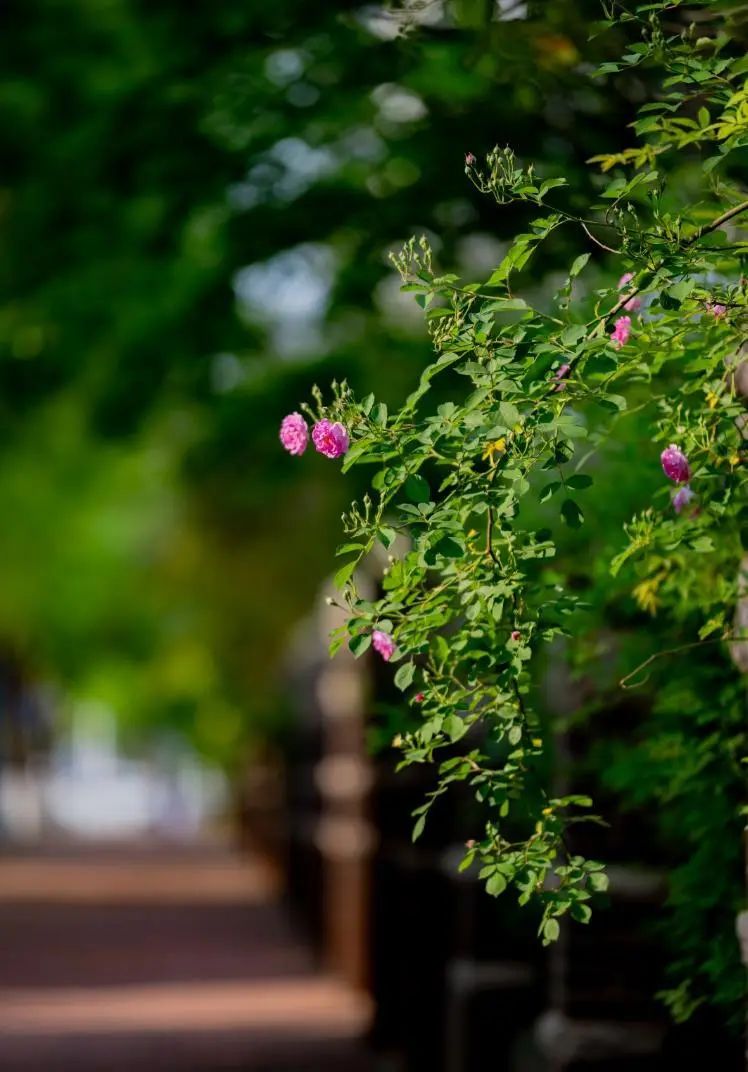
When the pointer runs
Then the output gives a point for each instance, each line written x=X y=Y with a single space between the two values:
x=471 y=497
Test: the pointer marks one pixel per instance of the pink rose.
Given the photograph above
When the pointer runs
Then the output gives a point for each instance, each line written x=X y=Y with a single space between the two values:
x=294 y=433
x=715 y=309
x=619 y=336
x=515 y=634
x=675 y=465
x=383 y=644
x=330 y=439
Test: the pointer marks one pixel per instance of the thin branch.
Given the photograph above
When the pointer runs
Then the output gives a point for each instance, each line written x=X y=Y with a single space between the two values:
x=709 y=227
x=675 y=651
x=489 y=537
x=705 y=230
x=597 y=241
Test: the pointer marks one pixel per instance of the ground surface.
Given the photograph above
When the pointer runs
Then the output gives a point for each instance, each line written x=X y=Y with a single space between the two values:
x=159 y=959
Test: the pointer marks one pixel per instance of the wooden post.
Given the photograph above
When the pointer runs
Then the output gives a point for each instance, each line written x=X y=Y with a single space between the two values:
x=344 y=834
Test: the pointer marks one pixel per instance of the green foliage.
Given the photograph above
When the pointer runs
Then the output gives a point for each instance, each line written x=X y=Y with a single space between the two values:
x=475 y=498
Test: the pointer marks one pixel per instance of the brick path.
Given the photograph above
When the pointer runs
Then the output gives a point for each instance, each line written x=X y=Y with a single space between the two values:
x=162 y=960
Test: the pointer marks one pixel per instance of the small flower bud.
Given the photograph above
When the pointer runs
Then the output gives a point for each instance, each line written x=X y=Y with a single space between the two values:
x=470 y=160
x=515 y=634
x=470 y=843
x=682 y=498
x=675 y=464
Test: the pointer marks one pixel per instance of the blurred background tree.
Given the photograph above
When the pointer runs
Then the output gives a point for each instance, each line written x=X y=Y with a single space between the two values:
x=197 y=206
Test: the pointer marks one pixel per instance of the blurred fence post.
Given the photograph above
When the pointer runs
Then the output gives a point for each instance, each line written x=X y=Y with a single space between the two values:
x=331 y=839
x=344 y=834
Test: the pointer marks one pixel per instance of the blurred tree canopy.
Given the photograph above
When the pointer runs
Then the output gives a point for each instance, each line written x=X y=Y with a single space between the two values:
x=196 y=209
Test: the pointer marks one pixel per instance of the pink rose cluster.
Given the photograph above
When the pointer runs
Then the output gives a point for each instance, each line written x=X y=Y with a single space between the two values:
x=330 y=439
x=676 y=468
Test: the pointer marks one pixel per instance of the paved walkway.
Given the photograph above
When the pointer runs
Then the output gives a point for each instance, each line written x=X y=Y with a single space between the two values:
x=162 y=960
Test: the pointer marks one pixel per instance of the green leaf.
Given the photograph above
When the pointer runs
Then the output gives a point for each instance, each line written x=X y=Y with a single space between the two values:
x=579 y=481
x=572 y=429
x=379 y=414
x=404 y=676
x=549 y=490
x=572 y=514
x=509 y=413
x=507 y=305
x=345 y=573
x=673 y=297
x=418 y=827
x=581 y=912
x=598 y=881
x=455 y=727
x=711 y=627
x=681 y=290
x=417 y=489
x=578 y=265
x=359 y=644
x=551 y=930
x=702 y=545
x=447 y=547
x=496 y=884
x=346 y=548
x=387 y=536
x=550 y=184
x=427 y=375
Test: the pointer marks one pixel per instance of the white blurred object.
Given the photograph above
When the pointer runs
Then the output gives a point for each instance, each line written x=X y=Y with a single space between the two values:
x=89 y=790
x=20 y=804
